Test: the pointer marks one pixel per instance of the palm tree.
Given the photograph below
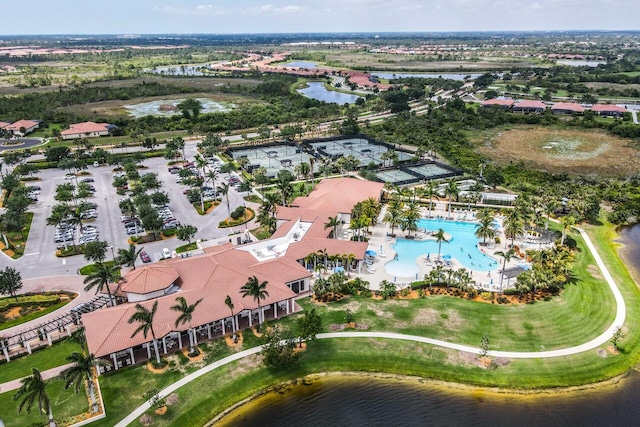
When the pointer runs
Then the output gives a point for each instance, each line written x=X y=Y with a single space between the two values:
x=257 y=290
x=34 y=388
x=334 y=222
x=128 y=257
x=144 y=316
x=451 y=190
x=393 y=216
x=229 y=304
x=484 y=229
x=506 y=257
x=513 y=225
x=430 y=191
x=567 y=222
x=348 y=259
x=303 y=169
x=224 y=189
x=212 y=175
x=440 y=237
x=409 y=217
x=186 y=314
x=101 y=278
x=80 y=371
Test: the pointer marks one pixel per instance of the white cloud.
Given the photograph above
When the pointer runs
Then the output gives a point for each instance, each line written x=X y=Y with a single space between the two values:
x=269 y=8
x=199 y=10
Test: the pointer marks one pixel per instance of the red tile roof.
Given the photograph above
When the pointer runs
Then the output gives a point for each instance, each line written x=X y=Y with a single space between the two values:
x=27 y=124
x=530 y=104
x=4 y=124
x=568 y=106
x=86 y=127
x=339 y=195
x=500 y=102
x=149 y=279
x=609 y=108
x=221 y=271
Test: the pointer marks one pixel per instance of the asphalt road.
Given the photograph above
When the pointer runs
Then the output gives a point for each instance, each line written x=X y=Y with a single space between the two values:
x=40 y=260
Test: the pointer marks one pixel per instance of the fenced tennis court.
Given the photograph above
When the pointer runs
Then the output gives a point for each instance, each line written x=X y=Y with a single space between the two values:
x=272 y=157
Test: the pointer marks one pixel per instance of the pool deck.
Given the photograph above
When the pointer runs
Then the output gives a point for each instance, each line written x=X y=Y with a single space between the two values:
x=378 y=238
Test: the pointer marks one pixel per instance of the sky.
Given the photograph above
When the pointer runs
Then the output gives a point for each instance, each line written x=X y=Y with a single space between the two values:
x=292 y=16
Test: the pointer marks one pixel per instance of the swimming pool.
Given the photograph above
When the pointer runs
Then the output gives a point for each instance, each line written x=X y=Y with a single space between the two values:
x=462 y=246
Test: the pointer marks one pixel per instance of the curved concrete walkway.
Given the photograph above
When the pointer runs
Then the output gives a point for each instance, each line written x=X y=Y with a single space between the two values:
x=596 y=342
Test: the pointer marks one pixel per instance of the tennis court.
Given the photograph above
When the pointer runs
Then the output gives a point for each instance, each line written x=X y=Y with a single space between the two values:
x=273 y=157
x=365 y=151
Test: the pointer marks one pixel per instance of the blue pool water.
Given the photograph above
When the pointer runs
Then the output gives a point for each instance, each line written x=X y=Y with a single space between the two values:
x=462 y=246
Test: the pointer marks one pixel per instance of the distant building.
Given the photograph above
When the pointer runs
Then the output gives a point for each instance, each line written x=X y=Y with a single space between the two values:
x=608 y=110
x=567 y=108
x=87 y=130
x=23 y=127
x=529 y=107
x=504 y=103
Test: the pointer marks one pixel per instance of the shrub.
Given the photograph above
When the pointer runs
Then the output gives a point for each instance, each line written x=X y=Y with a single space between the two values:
x=170 y=232
x=472 y=293
x=503 y=300
x=486 y=295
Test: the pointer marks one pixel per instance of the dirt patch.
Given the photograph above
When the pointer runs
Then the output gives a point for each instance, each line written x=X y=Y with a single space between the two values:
x=426 y=317
x=245 y=365
x=352 y=306
x=336 y=327
x=12 y=313
x=229 y=340
x=157 y=371
x=611 y=349
x=460 y=358
x=197 y=358
x=595 y=272
x=602 y=352
x=172 y=399
x=561 y=150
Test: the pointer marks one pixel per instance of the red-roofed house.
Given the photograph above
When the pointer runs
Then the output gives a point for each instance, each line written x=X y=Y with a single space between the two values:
x=87 y=130
x=23 y=127
x=567 y=108
x=504 y=103
x=4 y=124
x=608 y=110
x=222 y=271
x=527 y=106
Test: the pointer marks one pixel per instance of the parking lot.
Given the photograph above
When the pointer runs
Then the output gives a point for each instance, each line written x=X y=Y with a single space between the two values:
x=41 y=247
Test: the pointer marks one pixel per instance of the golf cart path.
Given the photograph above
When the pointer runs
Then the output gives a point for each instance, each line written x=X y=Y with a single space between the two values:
x=596 y=342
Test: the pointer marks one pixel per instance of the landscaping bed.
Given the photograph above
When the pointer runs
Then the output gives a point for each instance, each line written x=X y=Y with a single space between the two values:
x=31 y=306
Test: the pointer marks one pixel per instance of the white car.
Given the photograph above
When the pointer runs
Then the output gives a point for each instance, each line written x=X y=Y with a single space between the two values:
x=166 y=253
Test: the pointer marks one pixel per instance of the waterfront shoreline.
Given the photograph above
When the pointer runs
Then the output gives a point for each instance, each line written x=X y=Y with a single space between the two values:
x=450 y=387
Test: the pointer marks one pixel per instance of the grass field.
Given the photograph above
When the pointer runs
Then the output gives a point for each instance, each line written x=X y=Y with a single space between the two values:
x=559 y=150
x=579 y=314
x=64 y=404
x=44 y=359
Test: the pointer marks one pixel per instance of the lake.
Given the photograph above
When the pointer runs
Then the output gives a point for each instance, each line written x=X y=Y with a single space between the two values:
x=630 y=253
x=450 y=76
x=316 y=90
x=348 y=400
x=301 y=64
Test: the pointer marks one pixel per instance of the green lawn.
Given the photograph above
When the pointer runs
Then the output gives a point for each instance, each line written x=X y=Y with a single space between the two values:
x=579 y=314
x=44 y=359
x=64 y=405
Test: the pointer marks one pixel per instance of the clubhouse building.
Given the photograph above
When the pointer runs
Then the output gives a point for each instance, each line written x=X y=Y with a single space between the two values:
x=220 y=272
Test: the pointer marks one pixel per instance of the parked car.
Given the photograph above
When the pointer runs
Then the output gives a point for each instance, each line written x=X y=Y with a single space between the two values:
x=144 y=257
x=134 y=230
x=171 y=225
x=69 y=176
x=87 y=180
x=166 y=253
